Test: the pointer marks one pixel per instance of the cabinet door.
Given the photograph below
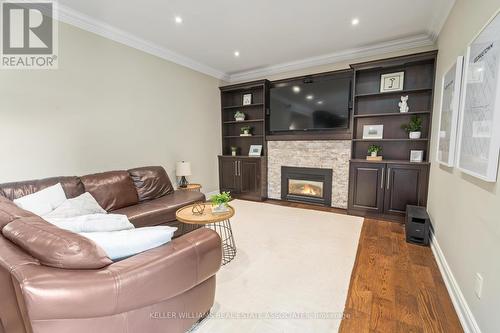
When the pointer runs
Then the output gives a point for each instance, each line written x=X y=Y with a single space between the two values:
x=249 y=176
x=228 y=174
x=366 y=194
x=406 y=184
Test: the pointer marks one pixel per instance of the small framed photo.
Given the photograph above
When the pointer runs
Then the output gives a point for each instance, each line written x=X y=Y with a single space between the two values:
x=255 y=150
x=416 y=155
x=373 y=131
x=247 y=99
x=392 y=82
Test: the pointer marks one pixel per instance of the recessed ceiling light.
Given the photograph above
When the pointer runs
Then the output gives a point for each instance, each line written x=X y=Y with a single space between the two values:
x=296 y=89
x=236 y=53
x=355 y=21
x=309 y=97
x=178 y=19
x=320 y=102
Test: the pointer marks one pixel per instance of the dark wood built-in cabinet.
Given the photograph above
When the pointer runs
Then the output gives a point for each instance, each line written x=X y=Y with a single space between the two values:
x=383 y=189
x=242 y=175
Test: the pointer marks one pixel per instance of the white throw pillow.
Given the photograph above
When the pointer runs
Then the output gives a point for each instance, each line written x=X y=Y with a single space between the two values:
x=92 y=223
x=44 y=201
x=126 y=243
x=83 y=204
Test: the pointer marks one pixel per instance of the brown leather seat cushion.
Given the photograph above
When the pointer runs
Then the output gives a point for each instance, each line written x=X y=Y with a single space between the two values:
x=72 y=186
x=161 y=210
x=112 y=190
x=151 y=182
x=53 y=246
x=9 y=211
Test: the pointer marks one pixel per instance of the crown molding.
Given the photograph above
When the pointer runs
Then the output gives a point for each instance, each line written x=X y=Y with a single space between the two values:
x=439 y=18
x=420 y=40
x=85 y=22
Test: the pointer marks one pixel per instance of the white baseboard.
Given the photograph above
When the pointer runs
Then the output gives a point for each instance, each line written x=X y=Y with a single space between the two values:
x=464 y=313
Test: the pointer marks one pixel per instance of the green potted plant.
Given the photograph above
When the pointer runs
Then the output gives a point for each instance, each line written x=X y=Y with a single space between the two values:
x=239 y=116
x=234 y=150
x=245 y=131
x=373 y=150
x=220 y=202
x=414 y=127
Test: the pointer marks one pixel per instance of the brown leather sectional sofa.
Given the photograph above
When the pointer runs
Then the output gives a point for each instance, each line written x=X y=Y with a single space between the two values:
x=54 y=281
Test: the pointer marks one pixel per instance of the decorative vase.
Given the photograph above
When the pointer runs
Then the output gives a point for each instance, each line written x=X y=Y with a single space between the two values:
x=218 y=209
x=415 y=135
x=233 y=152
x=374 y=154
x=246 y=132
x=239 y=118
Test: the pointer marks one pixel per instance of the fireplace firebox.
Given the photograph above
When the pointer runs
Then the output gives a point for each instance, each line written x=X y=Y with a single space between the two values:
x=311 y=185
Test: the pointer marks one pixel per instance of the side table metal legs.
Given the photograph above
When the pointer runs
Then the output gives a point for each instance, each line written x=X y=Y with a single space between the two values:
x=225 y=232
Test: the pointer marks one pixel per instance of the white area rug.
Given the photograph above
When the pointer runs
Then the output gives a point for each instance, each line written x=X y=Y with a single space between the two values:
x=294 y=264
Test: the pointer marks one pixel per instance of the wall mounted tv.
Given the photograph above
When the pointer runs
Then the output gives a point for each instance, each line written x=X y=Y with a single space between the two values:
x=311 y=103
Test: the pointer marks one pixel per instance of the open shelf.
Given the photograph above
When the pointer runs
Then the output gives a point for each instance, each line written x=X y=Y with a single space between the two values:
x=242 y=136
x=390 y=114
x=399 y=92
x=244 y=121
x=242 y=106
x=361 y=160
x=389 y=140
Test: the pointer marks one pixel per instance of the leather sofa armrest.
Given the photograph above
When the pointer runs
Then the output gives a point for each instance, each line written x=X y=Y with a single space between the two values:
x=144 y=279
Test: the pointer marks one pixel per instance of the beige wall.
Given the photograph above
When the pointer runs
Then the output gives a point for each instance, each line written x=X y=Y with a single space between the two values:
x=464 y=210
x=108 y=106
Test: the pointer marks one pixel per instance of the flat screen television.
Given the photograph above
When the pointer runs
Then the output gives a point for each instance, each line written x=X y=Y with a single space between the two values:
x=320 y=103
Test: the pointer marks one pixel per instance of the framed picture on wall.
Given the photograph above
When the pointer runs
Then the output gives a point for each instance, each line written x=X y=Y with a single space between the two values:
x=247 y=99
x=479 y=122
x=373 y=132
x=448 y=118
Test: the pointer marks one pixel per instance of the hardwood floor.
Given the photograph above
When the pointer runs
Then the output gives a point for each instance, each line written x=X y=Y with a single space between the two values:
x=395 y=286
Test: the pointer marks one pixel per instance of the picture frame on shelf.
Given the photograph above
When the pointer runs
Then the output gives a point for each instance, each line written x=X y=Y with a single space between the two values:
x=479 y=115
x=416 y=156
x=449 y=112
x=247 y=99
x=392 y=82
x=373 y=132
x=255 y=150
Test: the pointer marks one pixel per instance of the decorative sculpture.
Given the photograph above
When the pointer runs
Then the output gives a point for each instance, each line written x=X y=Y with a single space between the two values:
x=198 y=208
x=403 y=106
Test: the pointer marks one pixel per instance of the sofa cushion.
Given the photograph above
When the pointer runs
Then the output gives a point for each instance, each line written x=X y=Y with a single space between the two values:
x=112 y=190
x=161 y=210
x=53 y=246
x=9 y=211
x=43 y=201
x=72 y=186
x=151 y=182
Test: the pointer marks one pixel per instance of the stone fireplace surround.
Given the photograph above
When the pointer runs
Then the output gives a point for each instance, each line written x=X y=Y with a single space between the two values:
x=328 y=154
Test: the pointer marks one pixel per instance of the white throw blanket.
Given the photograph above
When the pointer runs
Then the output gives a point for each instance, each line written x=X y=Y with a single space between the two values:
x=92 y=223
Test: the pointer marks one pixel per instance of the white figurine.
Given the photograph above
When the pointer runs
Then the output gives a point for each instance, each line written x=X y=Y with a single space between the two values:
x=403 y=106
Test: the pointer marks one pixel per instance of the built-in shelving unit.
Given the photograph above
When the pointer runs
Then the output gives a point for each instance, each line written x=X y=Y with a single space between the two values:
x=383 y=189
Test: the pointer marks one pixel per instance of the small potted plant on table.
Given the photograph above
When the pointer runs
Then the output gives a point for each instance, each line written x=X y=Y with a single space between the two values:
x=245 y=131
x=414 y=127
x=220 y=202
x=373 y=150
x=239 y=116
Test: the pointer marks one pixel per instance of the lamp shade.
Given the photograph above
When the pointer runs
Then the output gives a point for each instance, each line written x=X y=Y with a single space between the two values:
x=183 y=169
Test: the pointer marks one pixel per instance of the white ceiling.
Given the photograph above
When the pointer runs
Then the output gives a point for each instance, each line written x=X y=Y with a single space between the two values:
x=271 y=35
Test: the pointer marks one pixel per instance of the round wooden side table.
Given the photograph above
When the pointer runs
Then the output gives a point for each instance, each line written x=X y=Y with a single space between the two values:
x=216 y=221
x=191 y=187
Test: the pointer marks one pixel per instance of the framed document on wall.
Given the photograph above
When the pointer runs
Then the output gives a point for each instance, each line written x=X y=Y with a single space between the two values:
x=479 y=125
x=448 y=118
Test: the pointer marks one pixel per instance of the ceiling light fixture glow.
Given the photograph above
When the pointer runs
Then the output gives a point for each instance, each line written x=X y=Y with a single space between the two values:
x=236 y=53
x=296 y=89
x=319 y=102
x=309 y=97
x=178 y=19
x=355 y=21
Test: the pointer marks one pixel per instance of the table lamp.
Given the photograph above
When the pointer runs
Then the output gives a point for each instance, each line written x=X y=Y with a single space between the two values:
x=182 y=170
